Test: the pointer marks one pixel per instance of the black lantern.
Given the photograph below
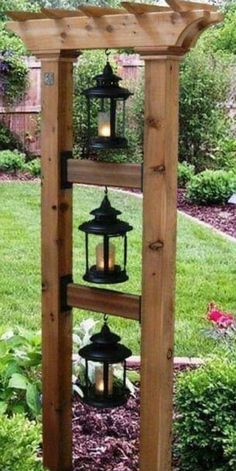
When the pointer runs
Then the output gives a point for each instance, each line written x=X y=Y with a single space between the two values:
x=105 y=370
x=109 y=99
x=112 y=232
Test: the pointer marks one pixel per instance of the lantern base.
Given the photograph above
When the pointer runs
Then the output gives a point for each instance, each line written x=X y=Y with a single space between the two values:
x=103 y=143
x=106 y=277
x=105 y=403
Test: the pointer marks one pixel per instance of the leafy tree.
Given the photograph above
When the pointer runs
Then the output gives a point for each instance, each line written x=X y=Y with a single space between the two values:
x=204 y=125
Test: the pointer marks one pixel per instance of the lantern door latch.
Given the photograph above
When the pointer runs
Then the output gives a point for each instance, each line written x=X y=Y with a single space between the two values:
x=65 y=155
x=64 y=282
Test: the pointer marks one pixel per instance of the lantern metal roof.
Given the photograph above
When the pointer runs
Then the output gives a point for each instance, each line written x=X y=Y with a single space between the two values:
x=105 y=346
x=105 y=221
x=107 y=86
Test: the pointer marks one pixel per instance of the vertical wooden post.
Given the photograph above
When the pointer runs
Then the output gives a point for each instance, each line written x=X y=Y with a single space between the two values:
x=57 y=89
x=159 y=248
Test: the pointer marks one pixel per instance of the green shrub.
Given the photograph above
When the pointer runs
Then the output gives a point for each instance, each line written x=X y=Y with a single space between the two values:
x=33 y=167
x=206 y=417
x=185 y=173
x=11 y=161
x=204 y=122
x=19 y=441
x=8 y=139
x=211 y=187
x=20 y=373
x=226 y=154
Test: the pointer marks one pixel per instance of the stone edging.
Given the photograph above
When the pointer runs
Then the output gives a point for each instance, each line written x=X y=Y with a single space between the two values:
x=134 y=361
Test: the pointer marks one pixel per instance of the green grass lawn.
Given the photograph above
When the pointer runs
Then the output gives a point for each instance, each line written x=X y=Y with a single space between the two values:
x=206 y=266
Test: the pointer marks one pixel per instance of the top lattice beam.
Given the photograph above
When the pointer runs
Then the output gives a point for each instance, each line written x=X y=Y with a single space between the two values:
x=134 y=25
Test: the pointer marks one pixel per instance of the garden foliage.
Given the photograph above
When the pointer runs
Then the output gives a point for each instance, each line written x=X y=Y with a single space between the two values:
x=19 y=443
x=204 y=124
x=206 y=417
x=211 y=187
x=33 y=167
x=14 y=161
x=20 y=366
x=185 y=173
x=11 y=161
x=9 y=140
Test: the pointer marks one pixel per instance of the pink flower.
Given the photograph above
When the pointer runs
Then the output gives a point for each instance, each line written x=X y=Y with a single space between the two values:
x=220 y=318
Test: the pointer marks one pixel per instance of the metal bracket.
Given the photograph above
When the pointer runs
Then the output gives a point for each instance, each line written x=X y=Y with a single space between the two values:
x=64 y=282
x=65 y=155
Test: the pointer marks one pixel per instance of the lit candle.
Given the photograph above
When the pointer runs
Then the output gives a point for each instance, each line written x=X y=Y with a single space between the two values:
x=100 y=257
x=99 y=379
x=104 y=126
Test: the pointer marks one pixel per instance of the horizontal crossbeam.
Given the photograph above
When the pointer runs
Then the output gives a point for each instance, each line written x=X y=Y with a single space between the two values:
x=104 y=174
x=99 y=27
x=105 y=301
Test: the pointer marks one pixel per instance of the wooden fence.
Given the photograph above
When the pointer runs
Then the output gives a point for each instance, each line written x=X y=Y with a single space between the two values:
x=24 y=119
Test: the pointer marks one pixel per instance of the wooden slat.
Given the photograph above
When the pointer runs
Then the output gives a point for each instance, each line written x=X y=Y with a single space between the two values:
x=104 y=173
x=141 y=8
x=159 y=249
x=198 y=6
x=25 y=15
x=56 y=212
x=181 y=5
x=94 y=11
x=105 y=301
x=59 y=13
x=151 y=30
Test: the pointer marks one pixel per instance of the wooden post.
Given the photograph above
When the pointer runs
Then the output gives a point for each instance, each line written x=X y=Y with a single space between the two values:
x=159 y=247
x=56 y=261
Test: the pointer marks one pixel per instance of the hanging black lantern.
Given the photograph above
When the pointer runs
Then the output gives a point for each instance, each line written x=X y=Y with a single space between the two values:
x=104 y=384
x=112 y=232
x=107 y=97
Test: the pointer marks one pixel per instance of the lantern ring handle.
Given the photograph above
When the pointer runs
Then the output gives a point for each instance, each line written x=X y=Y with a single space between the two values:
x=105 y=318
x=108 y=53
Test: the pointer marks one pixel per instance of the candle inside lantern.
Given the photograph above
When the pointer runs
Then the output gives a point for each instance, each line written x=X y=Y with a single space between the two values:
x=104 y=125
x=100 y=265
x=99 y=380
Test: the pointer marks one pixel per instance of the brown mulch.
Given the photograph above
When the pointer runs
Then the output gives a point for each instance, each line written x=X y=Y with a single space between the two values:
x=18 y=176
x=108 y=439
x=222 y=216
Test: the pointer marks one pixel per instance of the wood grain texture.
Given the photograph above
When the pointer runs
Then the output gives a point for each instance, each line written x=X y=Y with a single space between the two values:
x=59 y=13
x=141 y=8
x=159 y=249
x=96 y=11
x=104 y=300
x=155 y=29
x=101 y=173
x=56 y=262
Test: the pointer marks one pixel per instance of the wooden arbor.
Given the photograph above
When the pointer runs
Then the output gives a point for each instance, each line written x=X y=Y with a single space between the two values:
x=162 y=35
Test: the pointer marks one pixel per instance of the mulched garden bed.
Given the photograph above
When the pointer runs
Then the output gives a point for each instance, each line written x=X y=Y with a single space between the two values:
x=108 y=439
x=222 y=216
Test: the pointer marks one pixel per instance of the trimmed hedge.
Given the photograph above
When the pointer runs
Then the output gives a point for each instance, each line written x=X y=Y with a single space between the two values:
x=206 y=417
x=211 y=187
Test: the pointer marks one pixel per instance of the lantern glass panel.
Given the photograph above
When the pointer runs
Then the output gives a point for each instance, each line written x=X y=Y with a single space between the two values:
x=105 y=385
x=105 y=255
x=107 y=126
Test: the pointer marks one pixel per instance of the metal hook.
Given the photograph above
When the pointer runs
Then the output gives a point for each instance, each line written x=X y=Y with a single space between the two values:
x=107 y=52
x=106 y=190
x=105 y=318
